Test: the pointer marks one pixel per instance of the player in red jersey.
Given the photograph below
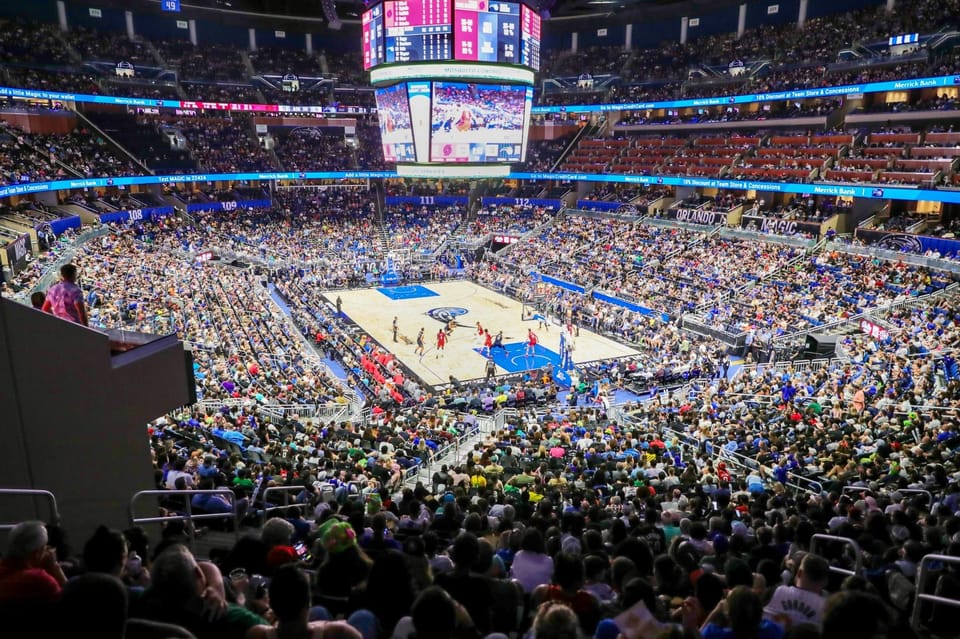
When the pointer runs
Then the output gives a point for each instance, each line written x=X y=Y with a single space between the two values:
x=531 y=342
x=441 y=342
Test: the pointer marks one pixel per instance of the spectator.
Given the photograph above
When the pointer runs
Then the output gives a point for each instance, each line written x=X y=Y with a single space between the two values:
x=30 y=576
x=65 y=299
x=803 y=602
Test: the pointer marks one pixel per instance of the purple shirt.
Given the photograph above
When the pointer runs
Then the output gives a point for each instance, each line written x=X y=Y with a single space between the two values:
x=64 y=297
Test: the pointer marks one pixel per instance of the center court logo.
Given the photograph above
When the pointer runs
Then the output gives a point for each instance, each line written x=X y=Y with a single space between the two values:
x=446 y=314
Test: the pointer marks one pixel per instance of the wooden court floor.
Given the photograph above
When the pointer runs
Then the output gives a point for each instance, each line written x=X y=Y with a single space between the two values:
x=468 y=303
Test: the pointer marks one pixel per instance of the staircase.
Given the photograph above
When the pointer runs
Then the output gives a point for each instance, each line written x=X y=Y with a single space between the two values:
x=73 y=53
x=382 y=233
x=154 y=52
x=119 y=148
x=454 y=454
x=247 y=64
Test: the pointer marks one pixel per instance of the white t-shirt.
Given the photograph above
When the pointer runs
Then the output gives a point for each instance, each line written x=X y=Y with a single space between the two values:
x=801 y=606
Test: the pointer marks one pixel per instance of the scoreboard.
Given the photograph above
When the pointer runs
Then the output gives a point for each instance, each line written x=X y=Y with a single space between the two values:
x=487 y=31
x=417 y=30
x=530 y=26
x=453 y=82
x=372 y=26
x=405 y=31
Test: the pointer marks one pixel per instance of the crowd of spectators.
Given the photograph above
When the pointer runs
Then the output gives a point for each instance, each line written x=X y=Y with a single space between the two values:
x=311 y=149
x=421 y=230
x=224 y=144
x=34 y=157
x=280 y=61
x=513 y=221
x=562 y=518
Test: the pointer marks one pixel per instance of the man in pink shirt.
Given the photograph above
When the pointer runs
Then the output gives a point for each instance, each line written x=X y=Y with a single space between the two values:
x=65 y=299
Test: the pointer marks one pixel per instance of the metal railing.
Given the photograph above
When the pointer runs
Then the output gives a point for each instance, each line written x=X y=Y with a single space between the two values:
x=855 y=547
x=902 y=491
x=188 y=515
x=32 y=493
x=285 y=491
x=923 y=576
x=913 y=259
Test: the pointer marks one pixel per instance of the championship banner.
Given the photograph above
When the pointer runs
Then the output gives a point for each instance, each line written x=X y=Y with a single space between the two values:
x=697 y=216
x=908 y=242
x=521 y=201
x=426 y=200
x=135 y=215
x=17 y=252
x=229 y=206
x=778 y=226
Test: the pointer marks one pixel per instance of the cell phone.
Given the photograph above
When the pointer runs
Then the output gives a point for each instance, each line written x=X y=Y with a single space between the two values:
x=302 y=552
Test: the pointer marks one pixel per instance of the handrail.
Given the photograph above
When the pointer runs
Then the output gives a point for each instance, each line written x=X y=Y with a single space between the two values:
x=278 y=489
x=902 y=491
x=922 y=578
x=188 y=515
x=858 y=554
x=32 y=492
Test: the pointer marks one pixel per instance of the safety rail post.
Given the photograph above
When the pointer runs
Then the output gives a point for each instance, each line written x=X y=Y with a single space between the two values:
x=285 y=490
x=32 y=492
x=857 y=553
x=188 y=516
x=922 y=577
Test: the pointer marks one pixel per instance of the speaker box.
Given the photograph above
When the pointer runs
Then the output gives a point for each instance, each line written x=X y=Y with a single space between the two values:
x=819 y=345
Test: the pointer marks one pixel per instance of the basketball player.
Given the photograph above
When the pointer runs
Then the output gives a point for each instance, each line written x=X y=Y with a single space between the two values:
x=531 y=342
x=419 y=349
x=498 y=343
x=441 y=342
x=487 y=342
x=395 y=328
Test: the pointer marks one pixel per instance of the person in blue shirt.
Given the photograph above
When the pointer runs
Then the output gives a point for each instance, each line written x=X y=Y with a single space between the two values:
x=739 y=616
x=788 y=392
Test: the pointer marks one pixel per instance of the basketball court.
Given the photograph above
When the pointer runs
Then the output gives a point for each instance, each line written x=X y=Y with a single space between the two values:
x=431 y=306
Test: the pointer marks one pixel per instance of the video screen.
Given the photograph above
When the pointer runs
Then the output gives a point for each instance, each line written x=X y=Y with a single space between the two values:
x=487 y=31
x=396 y=130
x=530 y=34
x=372 y=22
x=477 y=122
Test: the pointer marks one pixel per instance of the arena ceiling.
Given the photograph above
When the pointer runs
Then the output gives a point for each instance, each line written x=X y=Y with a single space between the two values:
x=561 y=10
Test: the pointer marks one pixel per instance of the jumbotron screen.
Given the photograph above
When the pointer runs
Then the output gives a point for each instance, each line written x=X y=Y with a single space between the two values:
x=396 y=130
x=472 y=122
x=404 y=31
x=454 y=122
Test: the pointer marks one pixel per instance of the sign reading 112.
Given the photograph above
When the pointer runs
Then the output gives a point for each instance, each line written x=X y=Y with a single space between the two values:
x=171 y=5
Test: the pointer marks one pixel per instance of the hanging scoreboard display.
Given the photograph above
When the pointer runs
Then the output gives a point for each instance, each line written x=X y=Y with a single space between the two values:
x=454 y=82
x=417 y=30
